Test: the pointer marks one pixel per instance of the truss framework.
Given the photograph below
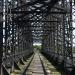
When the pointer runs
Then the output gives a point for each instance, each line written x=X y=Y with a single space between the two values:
x=24 y=22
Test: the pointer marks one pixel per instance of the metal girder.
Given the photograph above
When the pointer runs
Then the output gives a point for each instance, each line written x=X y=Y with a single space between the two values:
x=1 y=35
x=38 y=12
x=1 y=44
x=52 y=3
x=35 y=21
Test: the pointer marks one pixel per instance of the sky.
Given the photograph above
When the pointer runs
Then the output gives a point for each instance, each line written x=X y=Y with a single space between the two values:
x=36 y=44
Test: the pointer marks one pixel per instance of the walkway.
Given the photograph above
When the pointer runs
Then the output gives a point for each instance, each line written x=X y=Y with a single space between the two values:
x=35 y=67
x=41 y=66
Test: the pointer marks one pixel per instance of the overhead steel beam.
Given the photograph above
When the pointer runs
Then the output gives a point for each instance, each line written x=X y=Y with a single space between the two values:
x=38 y=12
x=34 y=21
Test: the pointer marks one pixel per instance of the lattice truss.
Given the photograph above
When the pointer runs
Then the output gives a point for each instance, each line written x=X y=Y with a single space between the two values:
x=58 y=43
x=17 y=34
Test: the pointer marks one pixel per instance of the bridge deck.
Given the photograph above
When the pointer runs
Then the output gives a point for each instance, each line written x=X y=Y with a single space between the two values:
x=41 y=66
x=35 y=67
x=38 y=66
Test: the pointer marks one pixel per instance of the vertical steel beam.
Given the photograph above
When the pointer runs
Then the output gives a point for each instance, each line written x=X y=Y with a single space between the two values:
x=1 y=34
x=1 y=44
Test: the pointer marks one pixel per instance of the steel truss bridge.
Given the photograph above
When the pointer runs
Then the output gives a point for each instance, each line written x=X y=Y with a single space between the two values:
x=49 y=22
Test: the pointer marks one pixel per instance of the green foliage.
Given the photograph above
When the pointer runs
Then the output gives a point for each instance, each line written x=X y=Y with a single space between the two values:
x=73 y=49
x=37 y=47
